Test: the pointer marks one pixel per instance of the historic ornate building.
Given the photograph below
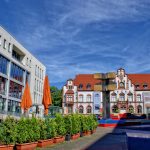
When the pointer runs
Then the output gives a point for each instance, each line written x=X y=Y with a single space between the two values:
x=131 y=94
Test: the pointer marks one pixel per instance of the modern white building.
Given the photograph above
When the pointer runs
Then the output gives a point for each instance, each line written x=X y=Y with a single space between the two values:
x=17 y=66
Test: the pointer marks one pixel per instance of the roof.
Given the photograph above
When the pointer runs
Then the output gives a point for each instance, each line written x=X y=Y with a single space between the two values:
x=84 y=80
x=140 y=79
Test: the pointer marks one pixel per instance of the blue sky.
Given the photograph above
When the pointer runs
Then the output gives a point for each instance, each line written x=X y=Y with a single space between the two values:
x=81 y=36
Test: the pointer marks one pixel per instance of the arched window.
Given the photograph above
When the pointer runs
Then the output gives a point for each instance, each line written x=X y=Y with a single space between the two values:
x=123 y=107
x=121 y=84
x=131 y=109
x=88 y=98
x=89 y=109
x=138 y=98
x=115 y=109
x=130 y=97
x=113 y=96
x=139 y=109
x=81 y=109
x=80 y=98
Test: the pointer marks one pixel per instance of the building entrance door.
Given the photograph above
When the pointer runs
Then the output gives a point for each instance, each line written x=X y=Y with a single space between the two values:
x=148 y=112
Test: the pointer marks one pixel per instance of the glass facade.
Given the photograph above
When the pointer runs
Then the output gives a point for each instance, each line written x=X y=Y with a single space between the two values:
x=3 y=82
x=3 y=65
x=2 y=104
x=17 y=72
x=15 y=90
x=14 y=106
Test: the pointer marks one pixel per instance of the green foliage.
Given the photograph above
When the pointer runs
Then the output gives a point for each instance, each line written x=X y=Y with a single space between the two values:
x=8 y=131
x=50 y=128
x=75 y=124
x=43 y=129
x=61 y=131
x=68 y=124
x=28 y=130
x=56 y=96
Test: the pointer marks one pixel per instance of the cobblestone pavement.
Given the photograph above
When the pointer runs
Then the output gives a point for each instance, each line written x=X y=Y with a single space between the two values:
x=103 y=139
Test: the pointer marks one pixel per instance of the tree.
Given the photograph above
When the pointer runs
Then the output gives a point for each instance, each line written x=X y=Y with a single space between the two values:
x=56 y=96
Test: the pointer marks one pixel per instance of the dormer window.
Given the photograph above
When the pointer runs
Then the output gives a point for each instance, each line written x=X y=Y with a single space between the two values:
x=137 y=86
x=80 y=86
x=88 y=86
x=145 y=86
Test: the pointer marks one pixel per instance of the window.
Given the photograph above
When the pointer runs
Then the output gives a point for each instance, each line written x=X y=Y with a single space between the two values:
x=17 y=72
x=30 y=64
x=113 y=96
x=16 y=56
x=121 y=84
x=28 y=77
x=69 y=98
x=5 y=44
x=89 y=109
x=88 y=87
x=137 y=86
x=70 y=109
x=122 y=97
x=14 y=106
x=138 y=98
x=139 y=109
x=2 y=85
x=81 y=98
x=9 y=47
x=81 y=109
x=88 y=98
x=80 y=86
x=2 y=103
x=70 y=87
x=130 y=97
x=145 y=86
x=15 y=90
x=123 y=107
x=3 y=65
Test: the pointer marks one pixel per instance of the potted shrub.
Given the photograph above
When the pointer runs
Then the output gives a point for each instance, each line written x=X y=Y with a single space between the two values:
x=8 y=133
x=43 y=134
x=28 y=133
x=60 y=129
x=68 y=127
x=84 y=124
x=75 y=126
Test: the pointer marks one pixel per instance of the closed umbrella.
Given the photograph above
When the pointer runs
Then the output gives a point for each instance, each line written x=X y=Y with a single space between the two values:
x=46 y=95
x=26 y=101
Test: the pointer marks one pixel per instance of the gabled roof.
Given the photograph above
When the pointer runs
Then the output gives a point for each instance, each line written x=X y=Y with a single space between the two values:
x=86 y=79
x=140 y=79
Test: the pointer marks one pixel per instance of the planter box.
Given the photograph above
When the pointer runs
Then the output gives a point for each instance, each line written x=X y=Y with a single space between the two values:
x=93 y=131
x=59 y=139
x=6 y=147
x=84 y=133
x=75 y=136
x=26 y=146
x=44 y=143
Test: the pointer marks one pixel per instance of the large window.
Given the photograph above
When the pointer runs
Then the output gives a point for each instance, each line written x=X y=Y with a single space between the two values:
x=28 y=77
x=3 y=64
x=14 y=106
x=2 y=85
x=15 y=90
x=139 y=109
x=69 y=98
x=130 y=97
x=2 y=104
x=16 y=56
x=17 y=72
x=122 y=97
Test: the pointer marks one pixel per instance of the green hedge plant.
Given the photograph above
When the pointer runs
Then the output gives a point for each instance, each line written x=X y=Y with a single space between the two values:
x=8 y=131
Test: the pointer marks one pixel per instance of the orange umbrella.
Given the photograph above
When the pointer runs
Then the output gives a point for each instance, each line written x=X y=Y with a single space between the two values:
x=26 y=101
x=46 y=95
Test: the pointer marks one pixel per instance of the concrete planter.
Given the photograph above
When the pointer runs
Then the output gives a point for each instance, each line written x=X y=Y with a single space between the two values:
x=44 y=143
